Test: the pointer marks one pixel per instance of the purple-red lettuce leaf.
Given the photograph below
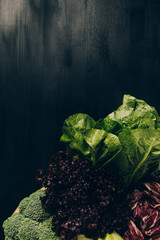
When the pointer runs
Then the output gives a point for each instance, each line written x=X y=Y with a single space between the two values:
x=133 y=232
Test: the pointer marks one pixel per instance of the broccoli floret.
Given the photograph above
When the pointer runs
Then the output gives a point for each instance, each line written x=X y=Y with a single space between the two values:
x=48 y=223
x=29 y=230
x=23 y=204
x=34 y=209
x=32 y=222
x=49 y=235
x=46 y=232
x=11 y=226
x=7 y=238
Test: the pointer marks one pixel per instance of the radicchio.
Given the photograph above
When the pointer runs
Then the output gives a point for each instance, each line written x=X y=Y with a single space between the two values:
x=133 y=232
x=145 y=206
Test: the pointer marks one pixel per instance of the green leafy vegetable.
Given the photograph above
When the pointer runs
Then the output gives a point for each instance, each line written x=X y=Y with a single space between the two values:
x=140 y=157
x=97 y=145
x=112 y=236
x=77 y=123
x=109 y=125
x=73 y=130
x=133 y=113
x=103 y=146
x=128 y=139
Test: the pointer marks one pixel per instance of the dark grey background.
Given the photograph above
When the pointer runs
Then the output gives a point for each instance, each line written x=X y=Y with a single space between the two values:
x=59 y=57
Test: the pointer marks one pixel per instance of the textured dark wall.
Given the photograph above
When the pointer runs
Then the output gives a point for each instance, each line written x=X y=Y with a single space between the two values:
x=59 y=57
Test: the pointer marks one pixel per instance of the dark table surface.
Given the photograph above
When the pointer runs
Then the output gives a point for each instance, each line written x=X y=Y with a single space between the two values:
x=62 y=57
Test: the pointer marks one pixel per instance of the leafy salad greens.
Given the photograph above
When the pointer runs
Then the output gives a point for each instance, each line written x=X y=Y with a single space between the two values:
x=128 y=139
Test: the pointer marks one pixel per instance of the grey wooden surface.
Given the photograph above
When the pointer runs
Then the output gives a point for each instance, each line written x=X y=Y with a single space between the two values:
x=59 y=57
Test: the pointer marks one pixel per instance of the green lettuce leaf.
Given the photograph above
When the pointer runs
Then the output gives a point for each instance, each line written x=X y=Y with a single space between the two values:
x=96 y=145
x=77 y=123
x=102 y=146
x=109 y=125
x=72 y=132
x=111 y=236
x=140 y=157
x=128 y=139
x=132 y=114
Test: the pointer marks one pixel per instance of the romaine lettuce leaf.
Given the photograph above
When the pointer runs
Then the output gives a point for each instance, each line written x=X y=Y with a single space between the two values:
x=128 y=139
x=103 y=146
x=109 y=125
x=96 y=145
x=140 y=156
x=72 y=132
x=79 y=122
x=132 y=114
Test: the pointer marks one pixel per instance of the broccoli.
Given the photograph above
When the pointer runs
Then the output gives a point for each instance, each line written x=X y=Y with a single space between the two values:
x=11 y=226
x=23 y=204
x=32 y=222
x=29 y=230
x=32 y=207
